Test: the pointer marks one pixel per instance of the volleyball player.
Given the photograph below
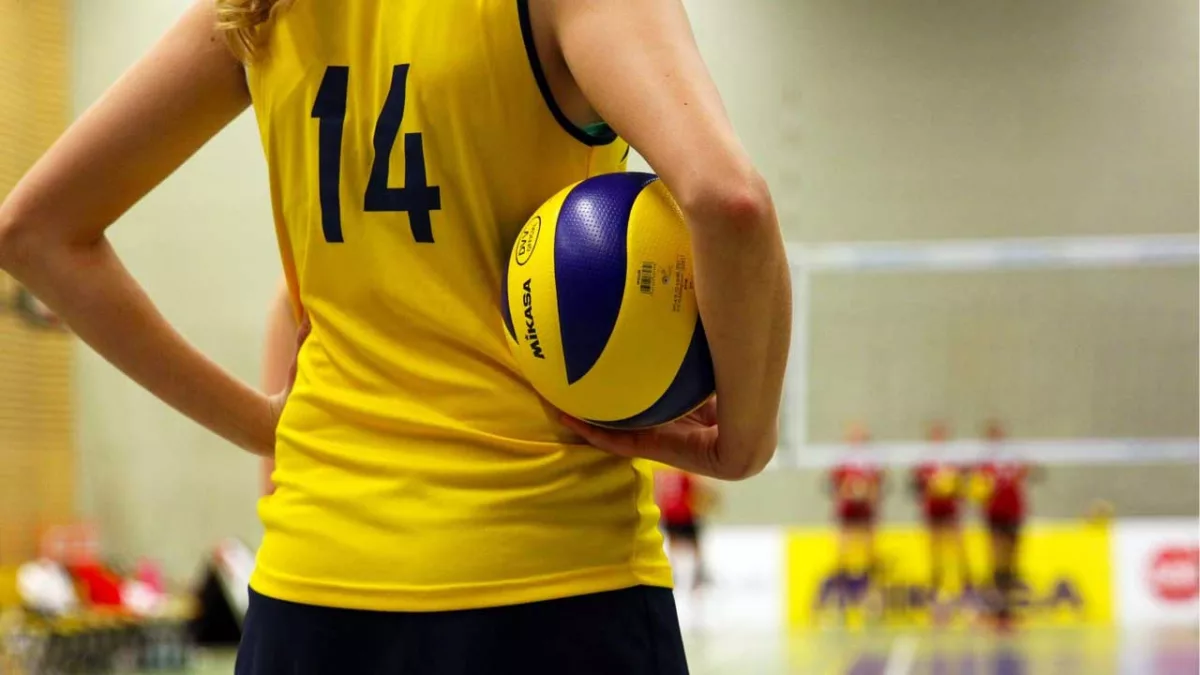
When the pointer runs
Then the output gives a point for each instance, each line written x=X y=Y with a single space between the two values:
x=940 y=486
x=430 y=514
x=856 y=484
x=684 y=499
x=1004 y=477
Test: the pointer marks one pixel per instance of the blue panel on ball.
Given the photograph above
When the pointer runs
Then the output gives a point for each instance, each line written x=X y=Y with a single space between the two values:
x=589 y=264
x=694 y=382
x=505 y=310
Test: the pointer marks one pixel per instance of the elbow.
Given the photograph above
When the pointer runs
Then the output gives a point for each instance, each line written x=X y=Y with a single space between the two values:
x=744 y=470
x=746 y=465
x=21 y=245
x=17 y=234
x=10 y=240
x=738 y=199
x=24 y=244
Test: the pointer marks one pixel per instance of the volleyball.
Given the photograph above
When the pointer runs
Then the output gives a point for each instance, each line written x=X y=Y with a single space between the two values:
x=600 y=304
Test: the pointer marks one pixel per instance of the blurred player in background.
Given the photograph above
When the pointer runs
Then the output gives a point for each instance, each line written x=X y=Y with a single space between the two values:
x=940 y=486
x=684 y=500
x=1001 y=479
x=857 y=485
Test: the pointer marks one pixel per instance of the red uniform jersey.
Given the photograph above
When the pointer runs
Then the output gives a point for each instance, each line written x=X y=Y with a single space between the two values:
x=675 y=493
x=856 y=490
x=940 y=487
x=1006 y=496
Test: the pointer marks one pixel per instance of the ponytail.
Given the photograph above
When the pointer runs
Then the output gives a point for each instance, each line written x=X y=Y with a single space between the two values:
x=241 y=21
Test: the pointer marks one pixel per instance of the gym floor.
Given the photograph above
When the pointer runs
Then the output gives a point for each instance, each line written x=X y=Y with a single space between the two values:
x=1026 y=652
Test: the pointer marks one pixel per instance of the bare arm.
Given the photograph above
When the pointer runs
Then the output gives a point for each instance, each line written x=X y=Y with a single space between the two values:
x=279 y=358
x=52 y=225
x=637 y=64
x=279 y=350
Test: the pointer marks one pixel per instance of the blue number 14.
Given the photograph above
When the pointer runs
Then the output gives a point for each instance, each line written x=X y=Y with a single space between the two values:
x=417 y=198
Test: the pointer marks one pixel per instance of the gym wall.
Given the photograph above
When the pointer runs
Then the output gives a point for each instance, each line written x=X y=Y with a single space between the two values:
x=943 y=120
x=37 y=460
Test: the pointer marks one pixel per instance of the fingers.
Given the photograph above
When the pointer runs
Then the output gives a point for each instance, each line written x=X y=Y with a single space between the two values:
x=605 y=439
x=674 y=444
x=578 y=426
x=590 y=432
x=706 y=414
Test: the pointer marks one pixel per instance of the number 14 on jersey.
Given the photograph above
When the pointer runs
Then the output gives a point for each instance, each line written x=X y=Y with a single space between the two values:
x=417 y=198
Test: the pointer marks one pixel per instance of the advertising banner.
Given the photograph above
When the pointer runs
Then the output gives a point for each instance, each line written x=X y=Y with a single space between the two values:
x=1157 y=565
x=1064 y=574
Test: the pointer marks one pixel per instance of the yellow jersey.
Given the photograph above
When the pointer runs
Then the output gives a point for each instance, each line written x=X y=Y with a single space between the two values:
x=416 y=470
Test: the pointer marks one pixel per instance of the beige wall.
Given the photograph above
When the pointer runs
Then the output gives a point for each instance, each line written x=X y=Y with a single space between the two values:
x=930 y=119
x=203 y=246
x=872 y=119
x=1055 y=354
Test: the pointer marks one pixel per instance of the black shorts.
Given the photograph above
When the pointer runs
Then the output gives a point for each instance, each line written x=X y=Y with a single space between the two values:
x=634 y=631
x=856 y=519
x=940 y=520
x=688 y=531
x=1010 y=527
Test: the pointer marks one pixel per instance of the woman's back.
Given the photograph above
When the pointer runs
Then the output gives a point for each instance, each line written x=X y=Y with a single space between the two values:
x=407 y=140
x=407 y=144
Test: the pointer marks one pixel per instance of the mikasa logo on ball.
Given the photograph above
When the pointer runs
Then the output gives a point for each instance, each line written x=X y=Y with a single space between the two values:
x=527 y=241
x=530 y=330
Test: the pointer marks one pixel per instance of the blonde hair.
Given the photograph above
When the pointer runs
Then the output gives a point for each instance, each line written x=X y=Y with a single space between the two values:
x=241 y=23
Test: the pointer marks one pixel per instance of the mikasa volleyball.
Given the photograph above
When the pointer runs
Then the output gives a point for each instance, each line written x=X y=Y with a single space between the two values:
x=600 y=304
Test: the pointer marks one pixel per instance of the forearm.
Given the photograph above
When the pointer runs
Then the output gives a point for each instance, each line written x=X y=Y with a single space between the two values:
x=743 y=289
x=279 y=352
x=93 y=292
